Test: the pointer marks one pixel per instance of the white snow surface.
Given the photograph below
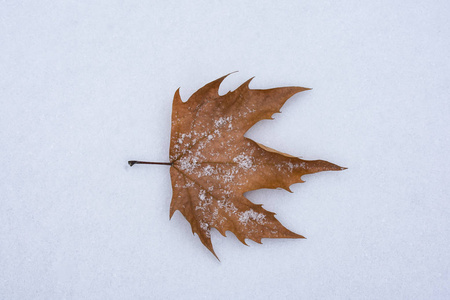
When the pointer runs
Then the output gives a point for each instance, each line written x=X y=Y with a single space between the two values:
x=86 y=86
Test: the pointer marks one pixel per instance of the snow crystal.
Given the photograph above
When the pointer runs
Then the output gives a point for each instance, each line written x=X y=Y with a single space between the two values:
x=202 y=195
x=204 y=226
x=222 y=121
x=215 y=214
x=228 y=206
x=189 y=184
x=219 y=122
x=188 y=164
x=208 y=170
x=205 y=201
x=290 y=166
x=300 y=165
x=244 y=161
x=250 y=214
x=228 y=177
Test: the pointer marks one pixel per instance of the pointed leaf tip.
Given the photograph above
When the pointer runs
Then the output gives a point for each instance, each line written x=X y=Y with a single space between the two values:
x=177 y=97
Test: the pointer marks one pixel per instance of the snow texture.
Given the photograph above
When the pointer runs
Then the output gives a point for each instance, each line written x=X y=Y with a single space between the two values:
x=88 y=85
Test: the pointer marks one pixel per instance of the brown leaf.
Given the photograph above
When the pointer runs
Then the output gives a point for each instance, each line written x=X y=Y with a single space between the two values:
x=213 y=164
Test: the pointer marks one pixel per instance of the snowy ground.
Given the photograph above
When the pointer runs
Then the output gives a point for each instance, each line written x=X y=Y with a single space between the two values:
x=86 y=86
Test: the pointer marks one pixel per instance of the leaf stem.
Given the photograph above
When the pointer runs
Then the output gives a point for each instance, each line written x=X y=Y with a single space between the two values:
x=133 y=162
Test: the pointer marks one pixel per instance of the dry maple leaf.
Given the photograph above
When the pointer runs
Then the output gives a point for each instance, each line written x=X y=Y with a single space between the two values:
x=213 y=164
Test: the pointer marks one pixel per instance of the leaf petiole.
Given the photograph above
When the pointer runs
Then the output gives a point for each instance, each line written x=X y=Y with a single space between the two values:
x=133 y=162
